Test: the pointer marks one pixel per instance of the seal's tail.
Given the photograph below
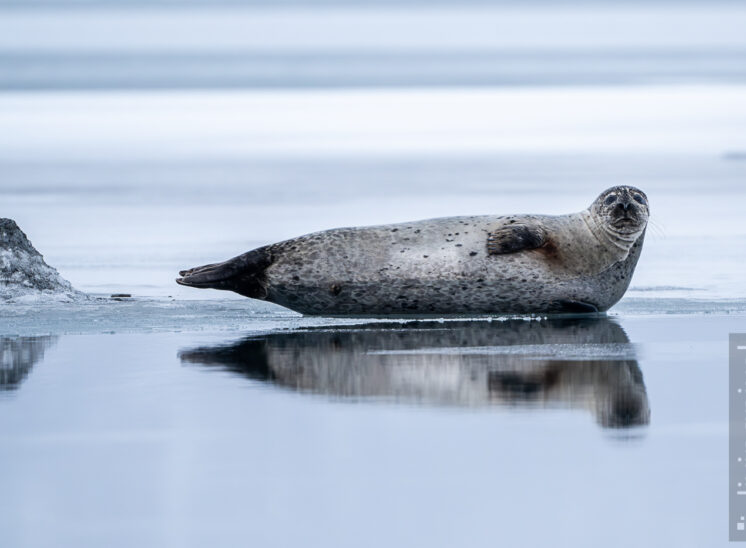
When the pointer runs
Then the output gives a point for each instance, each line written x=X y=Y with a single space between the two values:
x=244 y=274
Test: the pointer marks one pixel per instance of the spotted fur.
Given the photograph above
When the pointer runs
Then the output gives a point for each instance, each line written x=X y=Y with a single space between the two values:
x=580 y=262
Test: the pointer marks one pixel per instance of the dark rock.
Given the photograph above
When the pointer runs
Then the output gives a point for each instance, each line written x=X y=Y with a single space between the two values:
x=23 y=271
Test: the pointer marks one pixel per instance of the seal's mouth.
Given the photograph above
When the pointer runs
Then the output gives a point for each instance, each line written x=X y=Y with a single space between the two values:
x=626 y=218
x=626 y=222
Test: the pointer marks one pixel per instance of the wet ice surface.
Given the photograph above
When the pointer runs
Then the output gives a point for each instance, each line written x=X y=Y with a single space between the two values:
x=104 y=315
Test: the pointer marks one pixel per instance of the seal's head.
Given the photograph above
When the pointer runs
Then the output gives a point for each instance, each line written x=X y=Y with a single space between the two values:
x=622 y=211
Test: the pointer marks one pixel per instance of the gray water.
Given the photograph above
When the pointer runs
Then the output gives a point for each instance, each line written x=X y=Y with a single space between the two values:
x=64 y=45
x=330 y=69
x=332 y=437
x=137 y=139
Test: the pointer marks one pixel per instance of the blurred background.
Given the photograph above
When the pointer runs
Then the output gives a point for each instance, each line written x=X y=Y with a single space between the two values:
x=140 y=137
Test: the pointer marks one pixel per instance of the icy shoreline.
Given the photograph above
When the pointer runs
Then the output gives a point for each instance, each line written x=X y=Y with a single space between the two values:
x=102 y=315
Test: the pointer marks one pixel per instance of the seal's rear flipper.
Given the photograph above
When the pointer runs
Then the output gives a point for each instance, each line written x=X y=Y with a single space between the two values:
x=244 y=274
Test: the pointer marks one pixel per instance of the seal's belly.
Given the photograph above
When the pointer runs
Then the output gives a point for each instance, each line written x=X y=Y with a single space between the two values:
x=437 y=297
x=461 y=282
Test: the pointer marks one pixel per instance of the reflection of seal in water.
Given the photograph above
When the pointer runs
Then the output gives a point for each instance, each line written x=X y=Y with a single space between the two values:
x=581 y=262
x=586 y=363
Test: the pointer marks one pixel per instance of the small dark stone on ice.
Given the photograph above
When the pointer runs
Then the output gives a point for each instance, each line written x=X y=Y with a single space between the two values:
x=121 y=296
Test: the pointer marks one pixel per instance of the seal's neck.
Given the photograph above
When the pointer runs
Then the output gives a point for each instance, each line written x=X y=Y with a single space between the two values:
x=618 y=241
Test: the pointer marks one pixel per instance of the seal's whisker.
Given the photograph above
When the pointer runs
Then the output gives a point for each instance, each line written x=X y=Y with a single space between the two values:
x=657 y=229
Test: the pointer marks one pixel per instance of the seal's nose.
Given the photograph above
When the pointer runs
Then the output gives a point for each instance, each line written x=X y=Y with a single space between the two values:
x=625 y=201
x=625 y=206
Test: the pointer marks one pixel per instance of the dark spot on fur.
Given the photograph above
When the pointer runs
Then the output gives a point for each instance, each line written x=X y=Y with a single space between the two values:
x=394 y=230
x=472 y=253
x=335 y=289
x=458 y=245
x=550 y=251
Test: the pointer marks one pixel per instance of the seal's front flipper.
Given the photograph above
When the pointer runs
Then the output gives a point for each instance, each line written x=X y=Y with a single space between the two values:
x=516 y=237
x=244 y=274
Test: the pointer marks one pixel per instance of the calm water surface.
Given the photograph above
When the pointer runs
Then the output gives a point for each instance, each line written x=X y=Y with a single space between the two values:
x=419 y=432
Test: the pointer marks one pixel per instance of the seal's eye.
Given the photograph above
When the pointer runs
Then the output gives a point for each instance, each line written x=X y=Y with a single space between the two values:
x=639 y=199
x=610 y=199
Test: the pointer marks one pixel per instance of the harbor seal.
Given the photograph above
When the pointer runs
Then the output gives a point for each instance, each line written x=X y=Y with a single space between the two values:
x=515 y=264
